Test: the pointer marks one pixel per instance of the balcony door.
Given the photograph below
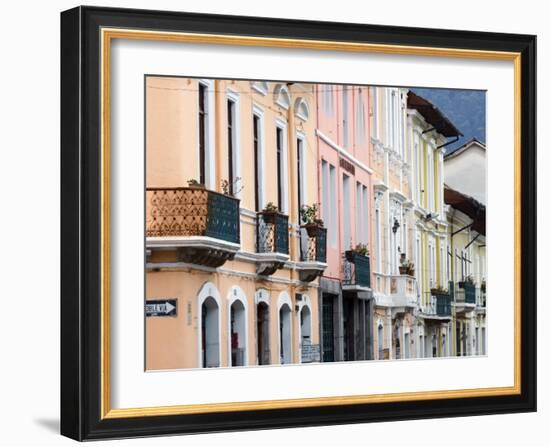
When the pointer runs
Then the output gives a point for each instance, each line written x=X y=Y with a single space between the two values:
x=238 y=334
x=285 y=342
x=210 y=327
x=262 y=315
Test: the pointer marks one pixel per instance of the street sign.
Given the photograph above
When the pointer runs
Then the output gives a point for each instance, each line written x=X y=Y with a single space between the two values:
x=161 y=308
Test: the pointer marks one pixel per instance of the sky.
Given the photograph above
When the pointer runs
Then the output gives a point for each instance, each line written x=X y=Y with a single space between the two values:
x=464 y=108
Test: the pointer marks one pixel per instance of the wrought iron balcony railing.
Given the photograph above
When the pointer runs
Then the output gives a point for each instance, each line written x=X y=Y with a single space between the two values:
x=356 y=269
x=313 y=252
x=313 y=245
x=192 y=211
x=443 y=305
x=466 y=293
x=272 y=232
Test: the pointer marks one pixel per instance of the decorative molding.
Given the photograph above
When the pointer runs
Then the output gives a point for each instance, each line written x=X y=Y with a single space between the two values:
x=343 y=152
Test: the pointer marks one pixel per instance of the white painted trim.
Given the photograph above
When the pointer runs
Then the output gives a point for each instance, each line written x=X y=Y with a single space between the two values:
x=301 y=108
x=343 y=152
x=208 y=290
x=284 y=299
x=282 y=124
x=210 y=152
x=260 y=86
x=231 y=298
x=233 y=96
x=303 y=176
x=282 y=96
x=262 y=296
x=259 y=112
x=191 y=241
x=237 y=273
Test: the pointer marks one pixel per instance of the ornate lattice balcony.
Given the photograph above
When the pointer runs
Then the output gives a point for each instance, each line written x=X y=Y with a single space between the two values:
x=356 y=271
x=271 y=242
x=313 y=252
x=202 y=225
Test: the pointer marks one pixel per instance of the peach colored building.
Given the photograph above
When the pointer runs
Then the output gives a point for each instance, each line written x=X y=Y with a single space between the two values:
x=345 y=183
x=229 y=165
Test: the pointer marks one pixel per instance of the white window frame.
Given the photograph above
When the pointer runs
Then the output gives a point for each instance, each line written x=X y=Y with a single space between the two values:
x=233 y=96
x=259 y=112
x=210 y=141
x=281 y=124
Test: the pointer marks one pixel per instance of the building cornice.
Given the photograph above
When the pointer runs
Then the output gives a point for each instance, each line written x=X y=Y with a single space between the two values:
x=343 y=152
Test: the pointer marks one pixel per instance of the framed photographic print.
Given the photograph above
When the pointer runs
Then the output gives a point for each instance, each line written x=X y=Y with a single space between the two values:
x=277 y=223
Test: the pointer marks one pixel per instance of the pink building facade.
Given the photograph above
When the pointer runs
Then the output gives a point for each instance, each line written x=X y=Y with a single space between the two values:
x=345 y=195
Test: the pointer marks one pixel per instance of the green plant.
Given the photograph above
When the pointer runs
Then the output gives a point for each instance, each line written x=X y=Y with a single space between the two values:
x=228 y=188
x=271 y=208
x=406 y=266
x=193 y=182
x=310 y=215
x=362 y=249
x=469 y=279
x=439 y=291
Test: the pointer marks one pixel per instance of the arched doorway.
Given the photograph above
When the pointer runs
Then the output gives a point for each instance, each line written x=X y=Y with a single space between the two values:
x=285 y=342
x=237 y=327
x=262 y=316
x=210 y=333
x=305 y=328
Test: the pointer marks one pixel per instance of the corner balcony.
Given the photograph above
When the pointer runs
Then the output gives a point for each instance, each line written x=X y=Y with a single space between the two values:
x=201 y=225
x=465 y=297
x=356 y=272
x=403 y=291
x=271 y=242
x=313 y=252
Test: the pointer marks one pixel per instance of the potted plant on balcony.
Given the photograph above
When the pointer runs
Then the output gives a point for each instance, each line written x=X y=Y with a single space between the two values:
x=310 y=218
x=359 y=249
x=406 y=267
x=230 y=188
x=439 y=290
x=270 y=212
x=468 y=279
x=193 y=183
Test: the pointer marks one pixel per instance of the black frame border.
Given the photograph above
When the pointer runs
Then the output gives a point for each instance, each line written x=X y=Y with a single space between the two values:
x=81 y=223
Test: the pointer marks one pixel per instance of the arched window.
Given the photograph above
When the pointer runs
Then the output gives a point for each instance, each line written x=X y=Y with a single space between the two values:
x=305 y=327
x=380 y=341
x=281 y=96
x=238 y=328
x=285 y=328
x=262 y=327
x=301 y=109
x=209 y=326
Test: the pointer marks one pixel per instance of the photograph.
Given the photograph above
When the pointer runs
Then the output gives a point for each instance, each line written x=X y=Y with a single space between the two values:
x=294 y=223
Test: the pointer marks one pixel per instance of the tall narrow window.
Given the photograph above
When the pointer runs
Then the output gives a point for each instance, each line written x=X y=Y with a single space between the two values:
x=299 y=172
x=279 y=168
x=230 y=145
x=345 y=116
x=333 y=205
x=347 y=217
x=257 y=160
x=202 y=133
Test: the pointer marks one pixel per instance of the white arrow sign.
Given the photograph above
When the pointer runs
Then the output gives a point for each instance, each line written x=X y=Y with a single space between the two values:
x=160 y=308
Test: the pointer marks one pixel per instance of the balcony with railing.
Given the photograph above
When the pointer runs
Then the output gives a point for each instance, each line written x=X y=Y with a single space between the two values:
x=439 y=306
x=403 y=291
x=356 y=268
x=201 y=225
x=313 y=252
x=271 y=242
x=465 y=296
